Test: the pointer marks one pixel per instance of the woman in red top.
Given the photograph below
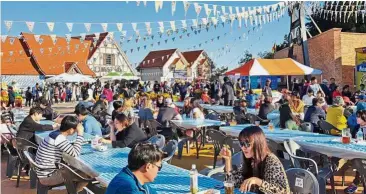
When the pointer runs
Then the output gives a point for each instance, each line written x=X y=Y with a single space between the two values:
x=337 y=92
x=205 y=97
x=108 y=93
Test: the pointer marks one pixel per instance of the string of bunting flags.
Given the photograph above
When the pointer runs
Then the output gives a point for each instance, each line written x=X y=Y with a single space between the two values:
x=339 y=11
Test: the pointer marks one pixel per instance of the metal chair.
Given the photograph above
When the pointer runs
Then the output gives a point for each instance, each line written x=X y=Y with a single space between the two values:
x=24 y=145
x=170 y=148
x=294 y=150
x=41 y=189
x=360 y=165
x=219 y=139
x=153 y=125
x=302 y=181
x=72 y=178
x=280 y=152
x=12 y=157
x=158 y=140
x=327 y=127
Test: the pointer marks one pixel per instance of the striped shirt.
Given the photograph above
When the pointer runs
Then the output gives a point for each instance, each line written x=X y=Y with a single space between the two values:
x=51 y=149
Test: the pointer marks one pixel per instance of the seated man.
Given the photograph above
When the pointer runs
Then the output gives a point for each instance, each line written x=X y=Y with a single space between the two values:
x=30 y=125
x=48 y=112
x=124 y=133
x=52 y=147
x=315 y=113
x=167 y=113
x=90 y=124
x=240 y=109
x=86 y=102
x=100 y=105
x=144 y=163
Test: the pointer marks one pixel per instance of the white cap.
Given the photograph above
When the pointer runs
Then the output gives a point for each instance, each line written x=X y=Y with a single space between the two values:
x=193 y=166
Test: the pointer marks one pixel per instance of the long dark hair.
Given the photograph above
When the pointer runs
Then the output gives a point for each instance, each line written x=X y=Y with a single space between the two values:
x=256 y=136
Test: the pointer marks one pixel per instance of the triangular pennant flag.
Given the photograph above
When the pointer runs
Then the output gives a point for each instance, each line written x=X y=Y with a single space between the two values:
x=69 y=26
x=41 y=50
x=230 y=10
x=186 y=6
x=214 y=21
x=223 y=10
x=223 y=19
x=30 y=26
x=161 y=27
x=173 y=39
x=85 y=45
x=53 y=38
x=119 y=26
x=166 y=41
x=172 y=25
x=174 y=4
x=11 y=53
x=37 y=37
x=87 y=26
x=3 y=38
x=134 y=26
x=158 y=5
x=20 y=52
x=194 y=23
x=50 y=49
x=214 y=9
x=104 y=26
x=145 y=3
x=51 y=26
x=8 y=25
x=68 y=38
x=131 y=50
x=138 y=3
x=159 y=43
x=204 y=21
x=82 y=37
x=11 y=40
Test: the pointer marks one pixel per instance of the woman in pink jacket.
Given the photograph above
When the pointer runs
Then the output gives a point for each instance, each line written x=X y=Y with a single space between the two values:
x=108 y=93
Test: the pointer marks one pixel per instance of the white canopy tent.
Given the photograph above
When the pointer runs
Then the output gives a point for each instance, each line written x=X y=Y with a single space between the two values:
x=74 y=78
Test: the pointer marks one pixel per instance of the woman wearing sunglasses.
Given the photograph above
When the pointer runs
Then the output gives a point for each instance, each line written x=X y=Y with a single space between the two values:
x=261 y=171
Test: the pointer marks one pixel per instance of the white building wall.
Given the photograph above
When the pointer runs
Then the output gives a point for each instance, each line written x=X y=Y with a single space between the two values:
x=151 y=74
x=121 y=64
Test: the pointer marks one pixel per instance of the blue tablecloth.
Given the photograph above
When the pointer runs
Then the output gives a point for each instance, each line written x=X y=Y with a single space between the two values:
x=322 y=143
x=171 y=179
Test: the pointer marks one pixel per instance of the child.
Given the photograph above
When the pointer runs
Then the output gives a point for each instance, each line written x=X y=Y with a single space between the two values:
x=205 y=97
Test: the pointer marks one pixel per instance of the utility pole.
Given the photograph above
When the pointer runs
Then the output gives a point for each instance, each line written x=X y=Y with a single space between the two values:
x=298 y=31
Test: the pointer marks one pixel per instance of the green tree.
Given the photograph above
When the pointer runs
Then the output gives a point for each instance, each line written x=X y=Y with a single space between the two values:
x=217 y=72
x=246 y=57
x=330 y=22
x=266 y=55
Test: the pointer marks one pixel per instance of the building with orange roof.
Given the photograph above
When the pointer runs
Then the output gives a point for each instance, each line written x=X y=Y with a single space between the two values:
x=166 y=65
x=32 y=58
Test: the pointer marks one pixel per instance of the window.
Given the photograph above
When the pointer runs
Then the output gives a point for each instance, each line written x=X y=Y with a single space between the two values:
x=108 y=59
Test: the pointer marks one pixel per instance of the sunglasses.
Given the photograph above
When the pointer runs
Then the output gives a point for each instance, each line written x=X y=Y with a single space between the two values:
x=159 y=167
x=245 y=144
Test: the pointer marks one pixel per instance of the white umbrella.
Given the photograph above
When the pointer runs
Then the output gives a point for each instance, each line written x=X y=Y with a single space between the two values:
x=65 y=77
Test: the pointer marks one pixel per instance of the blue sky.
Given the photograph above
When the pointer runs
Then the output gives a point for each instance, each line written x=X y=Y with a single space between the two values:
x=122 y=12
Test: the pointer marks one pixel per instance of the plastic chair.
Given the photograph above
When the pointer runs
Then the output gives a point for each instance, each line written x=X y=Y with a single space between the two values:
x=41 y=189
x=12 y=157
x=302 y=181
x=170 y=148
x=219 y=139
x=158 y=140
x=23 y=145
x=183 y=139
x=280 y=152
x=293 y=149
x=306 y=126
x=360 y=165
x=72 y=178
x=253 y=118
x=327 y=127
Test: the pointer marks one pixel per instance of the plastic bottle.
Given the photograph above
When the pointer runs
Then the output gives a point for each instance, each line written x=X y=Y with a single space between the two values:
x=194 y=179
x=359 y=135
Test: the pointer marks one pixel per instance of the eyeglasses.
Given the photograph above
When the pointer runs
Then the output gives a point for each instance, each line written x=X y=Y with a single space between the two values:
x=245 y=144
x=159 y=167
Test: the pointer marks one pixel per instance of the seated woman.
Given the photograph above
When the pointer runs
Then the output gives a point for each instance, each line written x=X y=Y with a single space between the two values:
x=251 y=99
x=117 y=105
x=197 y=110
x=296 y=105
x=123 y=133
x=187 y=106
x=287 y=119
x=261 y=171
x=240 y=109
x=335 y=115
x=160 y=101
x=146 y=111
x=127 y=109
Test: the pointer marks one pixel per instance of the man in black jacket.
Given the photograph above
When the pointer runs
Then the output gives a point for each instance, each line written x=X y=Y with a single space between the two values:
x=29 y=125
x=228 y=92
x=48 y=112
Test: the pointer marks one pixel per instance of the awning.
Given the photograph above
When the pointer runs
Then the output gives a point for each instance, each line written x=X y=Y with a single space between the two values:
x=73 y=78
x=275 y=67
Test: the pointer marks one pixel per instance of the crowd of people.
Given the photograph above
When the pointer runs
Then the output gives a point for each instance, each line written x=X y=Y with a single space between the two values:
x=118 y=111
